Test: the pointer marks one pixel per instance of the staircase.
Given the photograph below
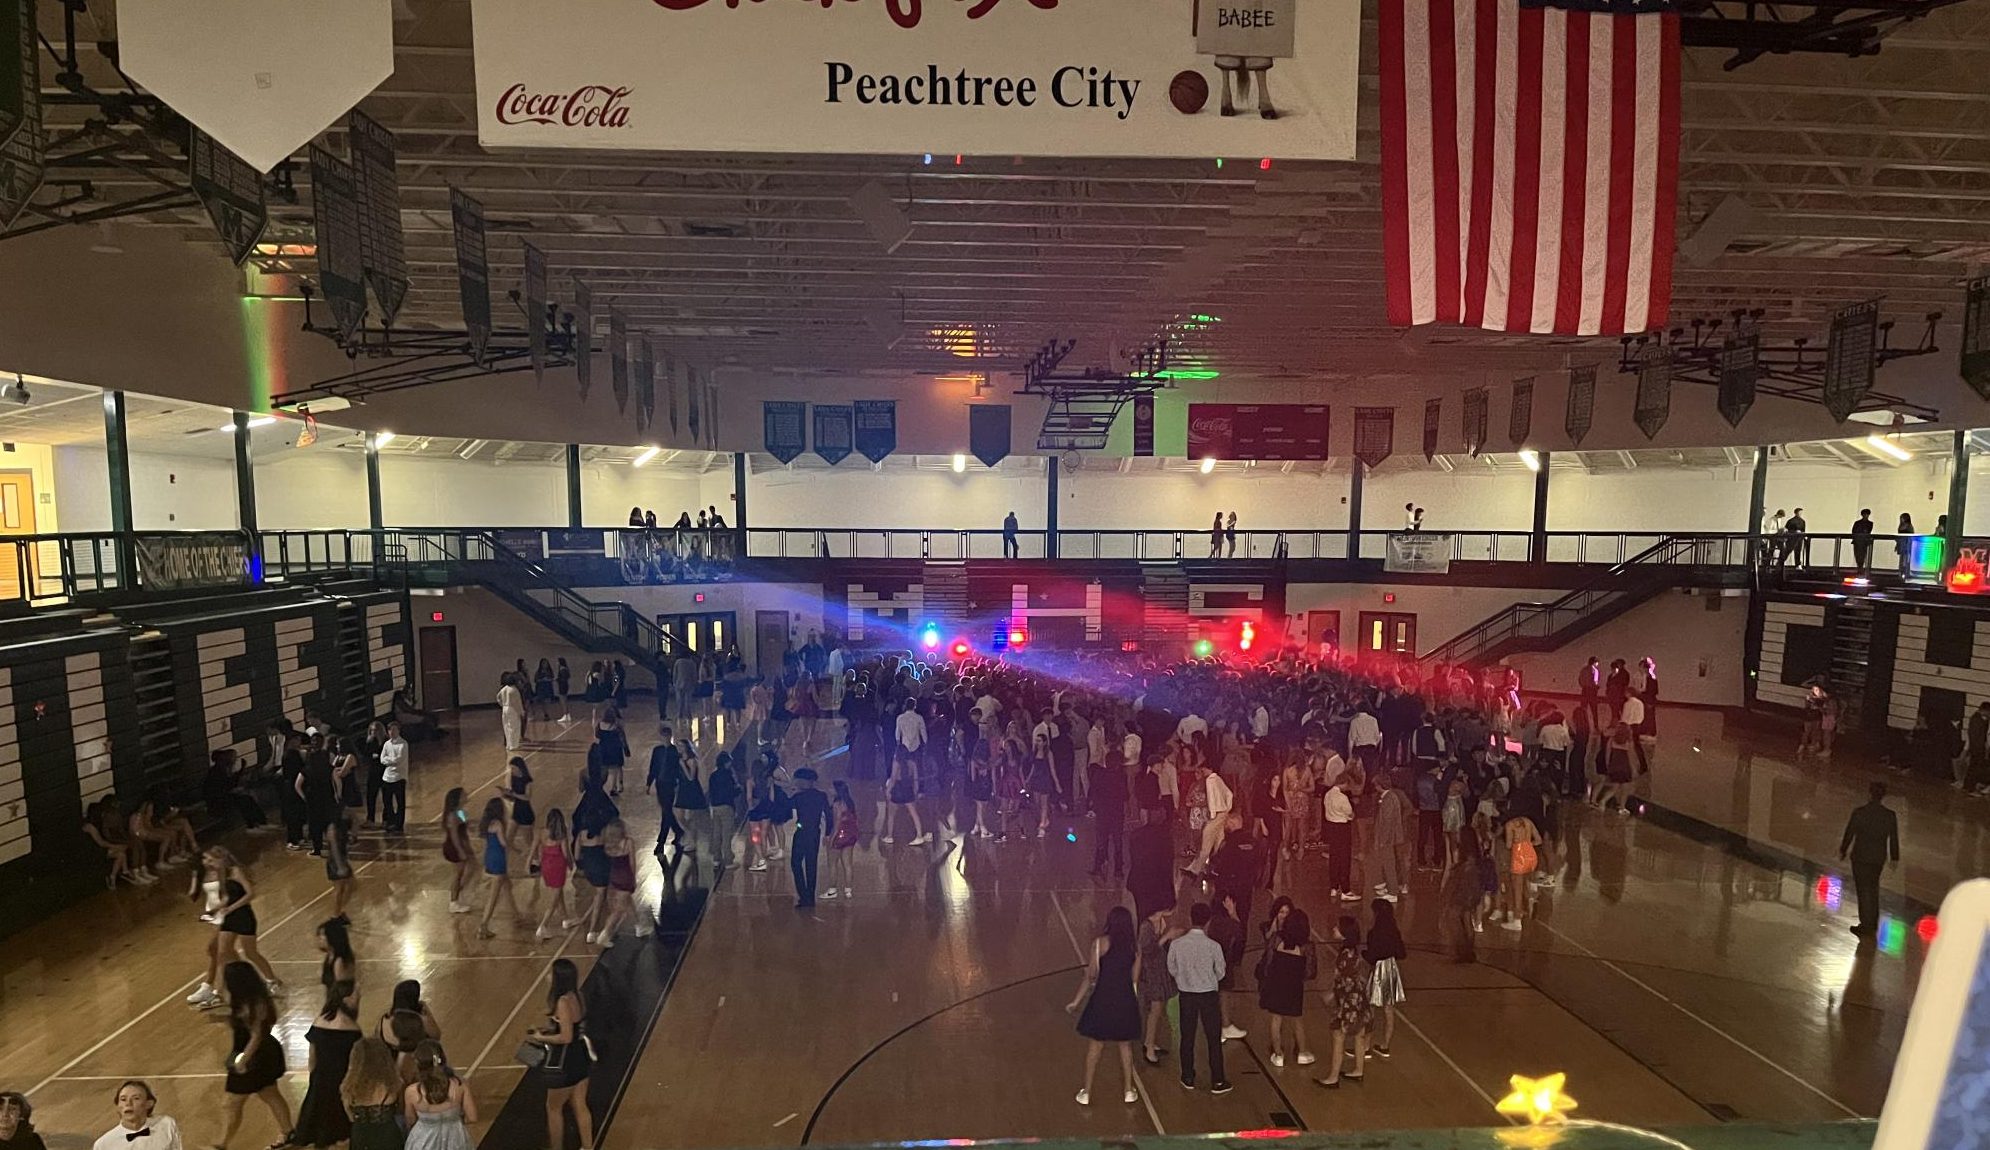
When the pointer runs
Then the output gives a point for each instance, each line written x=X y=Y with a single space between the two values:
x=1529 y=627
x=945 y=596
x=612 y=628
x=1851 y=642
x=1164 y=593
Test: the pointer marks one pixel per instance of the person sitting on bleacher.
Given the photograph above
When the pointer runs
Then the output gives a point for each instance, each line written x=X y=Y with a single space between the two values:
x=159 y=823
x=226 y=791
x=106 y=827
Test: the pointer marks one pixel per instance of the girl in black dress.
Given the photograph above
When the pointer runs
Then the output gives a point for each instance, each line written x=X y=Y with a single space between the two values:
x=1112 y=1012
x=569 y=1055
x=322 y=1118
x=255 y=1060
x=1288 y=965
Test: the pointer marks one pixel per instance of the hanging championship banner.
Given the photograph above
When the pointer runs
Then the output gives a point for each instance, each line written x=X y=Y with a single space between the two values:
x=1654 y=404
x=383 y=250
x=1741 y=364
x=473 y=274
x=1850 y=357
x=1156 y=76
x=1143 y=425
x=583 y=337
x=1417 y=553
x=834 y=424
x=1374 y=434
x=670 y=388
x=1476 y=403
x=335 y=212
x=695 y=417
x=1257 y=431
x=535 y=311
x=785 y=436
x=645 y=384
x=988 y=432
x=1433 y=411
x=230 y=191
x=876 y=435
x=1581 y=403
x=1520 y=417
x=618 y=359
x=23 y=140
x=712 y=414
x=1976 y=336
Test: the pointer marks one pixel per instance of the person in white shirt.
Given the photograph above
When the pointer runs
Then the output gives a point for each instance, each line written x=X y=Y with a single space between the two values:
x=1555 y=746
x=1339 y=830
x=1364 y=738
x=1633 y=716
x=910 y=729
x=138 y=1128
x=394 y=781
x=1191 y=725
x=1260 y=723
x=1130 y=747
x=1220 y=801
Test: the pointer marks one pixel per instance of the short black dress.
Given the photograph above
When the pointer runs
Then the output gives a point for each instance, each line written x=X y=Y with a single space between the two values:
x=566 y=1064
x=1282 y=991
x=1112 y=1014
x=240 y=921
x=262 y=1071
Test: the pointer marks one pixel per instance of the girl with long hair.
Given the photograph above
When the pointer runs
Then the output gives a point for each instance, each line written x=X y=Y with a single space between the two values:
x=1385 y=952
x=255 y=1060
x=842 y=840
x=1353 y=1011
x=1157 y=986
x=692 y=809
x=542 y=690
x=596 y=688
x=438 y=1104
x=223 y=888
x=372 y=1095
x=622 y=905
x=495 y=830
x=614 y=747
x=517 y=791
x=321 y=1118
x=549 y=846
x=1111 y=1003
x=569 y=1056
x=456 y=847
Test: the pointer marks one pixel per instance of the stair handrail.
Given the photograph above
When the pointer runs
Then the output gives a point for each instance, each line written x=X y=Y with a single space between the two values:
x=1666 y=552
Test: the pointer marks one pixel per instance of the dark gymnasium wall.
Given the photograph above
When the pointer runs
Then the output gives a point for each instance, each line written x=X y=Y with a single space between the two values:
x=1920 y=657
x=141 y=704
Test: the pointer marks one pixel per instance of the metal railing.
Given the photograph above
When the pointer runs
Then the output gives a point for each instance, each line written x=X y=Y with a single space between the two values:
x=48 y=570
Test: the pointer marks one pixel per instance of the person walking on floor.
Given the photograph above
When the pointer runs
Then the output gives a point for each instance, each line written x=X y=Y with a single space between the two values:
x=1108 y=796
x=1872 y=841
x=1391 y=841
x=511 y=711
x=1111 y=1005
x=1862 y=540
x=1288 y=965
x=813 y=819
x=1196 y=963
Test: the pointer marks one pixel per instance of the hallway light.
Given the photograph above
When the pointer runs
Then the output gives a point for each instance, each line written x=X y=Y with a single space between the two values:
x=1531 y=458
x=960 y=463
x=1885 y=446
x=645 y=457
x=382 y=439
x=258 y=421
x=1208 y=465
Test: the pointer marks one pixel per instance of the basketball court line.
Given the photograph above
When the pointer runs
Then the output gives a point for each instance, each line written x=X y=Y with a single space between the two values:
x=558 y=953
x=1648 y=988
x=279 y=924
x=1404 y=1018
x=1084 y=960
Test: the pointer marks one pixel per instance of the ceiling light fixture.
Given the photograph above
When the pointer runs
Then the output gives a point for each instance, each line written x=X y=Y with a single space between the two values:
x=1887 y=447
x=1531 y=458
x=645 y=457
x=1208 y=465
x=382 y=439
x=960 y=463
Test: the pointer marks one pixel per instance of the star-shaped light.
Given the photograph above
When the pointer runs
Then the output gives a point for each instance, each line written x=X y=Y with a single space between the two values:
x=1539 y=1100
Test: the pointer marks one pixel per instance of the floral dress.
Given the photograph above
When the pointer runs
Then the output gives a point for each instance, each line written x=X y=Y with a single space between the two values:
x=1352 y=1007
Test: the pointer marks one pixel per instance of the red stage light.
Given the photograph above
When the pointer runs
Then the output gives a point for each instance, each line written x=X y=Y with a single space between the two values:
x=1823 y=887
x=1927 y=927
x=1018 y=637
x=960 y=648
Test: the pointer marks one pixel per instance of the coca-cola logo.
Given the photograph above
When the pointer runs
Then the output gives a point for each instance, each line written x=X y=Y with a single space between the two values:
x=1210 y=425
x=592 y=106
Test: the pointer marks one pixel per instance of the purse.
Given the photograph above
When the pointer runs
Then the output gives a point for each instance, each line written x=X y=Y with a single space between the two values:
x=531 y=1055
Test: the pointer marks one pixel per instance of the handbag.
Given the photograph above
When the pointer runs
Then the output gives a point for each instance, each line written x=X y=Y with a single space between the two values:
x=531 y=1055
x=1524 y=858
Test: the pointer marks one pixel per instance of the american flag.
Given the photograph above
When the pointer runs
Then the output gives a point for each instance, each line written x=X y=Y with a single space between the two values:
x=1530 y=164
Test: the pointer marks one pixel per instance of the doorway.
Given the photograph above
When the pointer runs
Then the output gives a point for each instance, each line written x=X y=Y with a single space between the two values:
x=437 y=656
x=1389 y=632
x=1323 y=629
x=707 y=632
x=770 y=641
x=17 y=517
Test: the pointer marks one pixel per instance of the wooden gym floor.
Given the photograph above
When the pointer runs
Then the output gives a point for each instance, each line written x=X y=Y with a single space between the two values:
x=1684 y=972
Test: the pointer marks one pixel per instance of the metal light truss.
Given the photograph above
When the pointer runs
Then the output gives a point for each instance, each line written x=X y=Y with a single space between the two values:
x=1084 y=404
x=1752 y=29
x=1792 y=370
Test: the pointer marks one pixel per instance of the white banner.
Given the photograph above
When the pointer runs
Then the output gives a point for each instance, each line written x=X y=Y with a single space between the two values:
x=1418 y=553
x=987 y=77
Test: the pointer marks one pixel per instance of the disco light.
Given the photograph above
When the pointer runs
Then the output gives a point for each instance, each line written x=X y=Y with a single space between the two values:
x=1204 y=648
x=930 y=637
x=961 y=648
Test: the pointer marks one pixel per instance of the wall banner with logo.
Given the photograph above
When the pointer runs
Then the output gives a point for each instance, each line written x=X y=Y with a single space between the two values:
x=877 y=428
x=1654 y=404
x=618 y=359
x=1433 y=412
x=834 y=426
x=988 y=432
x=645 y=384
x=231 y=192
x=1850 y=358
x=1417 y=553
x=383 y=247
x=881 y=76
x=1143 y=425
x=583 y=337
x=784 y=432
x=1741 y=366
x=1476 y=427
x=1976 y=336
x=335 y=212
x=1520 y=417
x=535 y=311
x=1581 y=403
x=473 y=276
x=1374 y=434
x=1274 y=431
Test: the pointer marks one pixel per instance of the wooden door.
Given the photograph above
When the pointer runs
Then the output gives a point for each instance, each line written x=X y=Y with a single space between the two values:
x=1389 y=632
x=770 y=641
x=1323 y=627
x=438 y=667
x=17 y=517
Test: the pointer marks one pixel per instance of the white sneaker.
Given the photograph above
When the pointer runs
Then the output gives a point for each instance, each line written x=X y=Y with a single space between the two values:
x=1278 y=1060
x=1084 y=1098
x=829 y=893
x=459 y=908
x=276 y=986
x=592 y=937
x=889 y=841
x=758 y=864
x=606 y=940
x=1131 y=1097
x=144 y=877
x=1306 y=1058
x=1512 y=924
x=569 y=923
x=923 y=840
x=776 y=856
x=202 y=995
x=848 y=893
x=1387 y=897
x=542 y=932
x=1233 y=1033
x=644 y=931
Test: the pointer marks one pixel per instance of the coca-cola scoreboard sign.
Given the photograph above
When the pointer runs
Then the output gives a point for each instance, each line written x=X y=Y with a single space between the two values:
x=988 y=77
x=1257 y=431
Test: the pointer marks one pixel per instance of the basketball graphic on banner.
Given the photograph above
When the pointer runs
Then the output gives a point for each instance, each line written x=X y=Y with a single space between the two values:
x=1189 y=92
